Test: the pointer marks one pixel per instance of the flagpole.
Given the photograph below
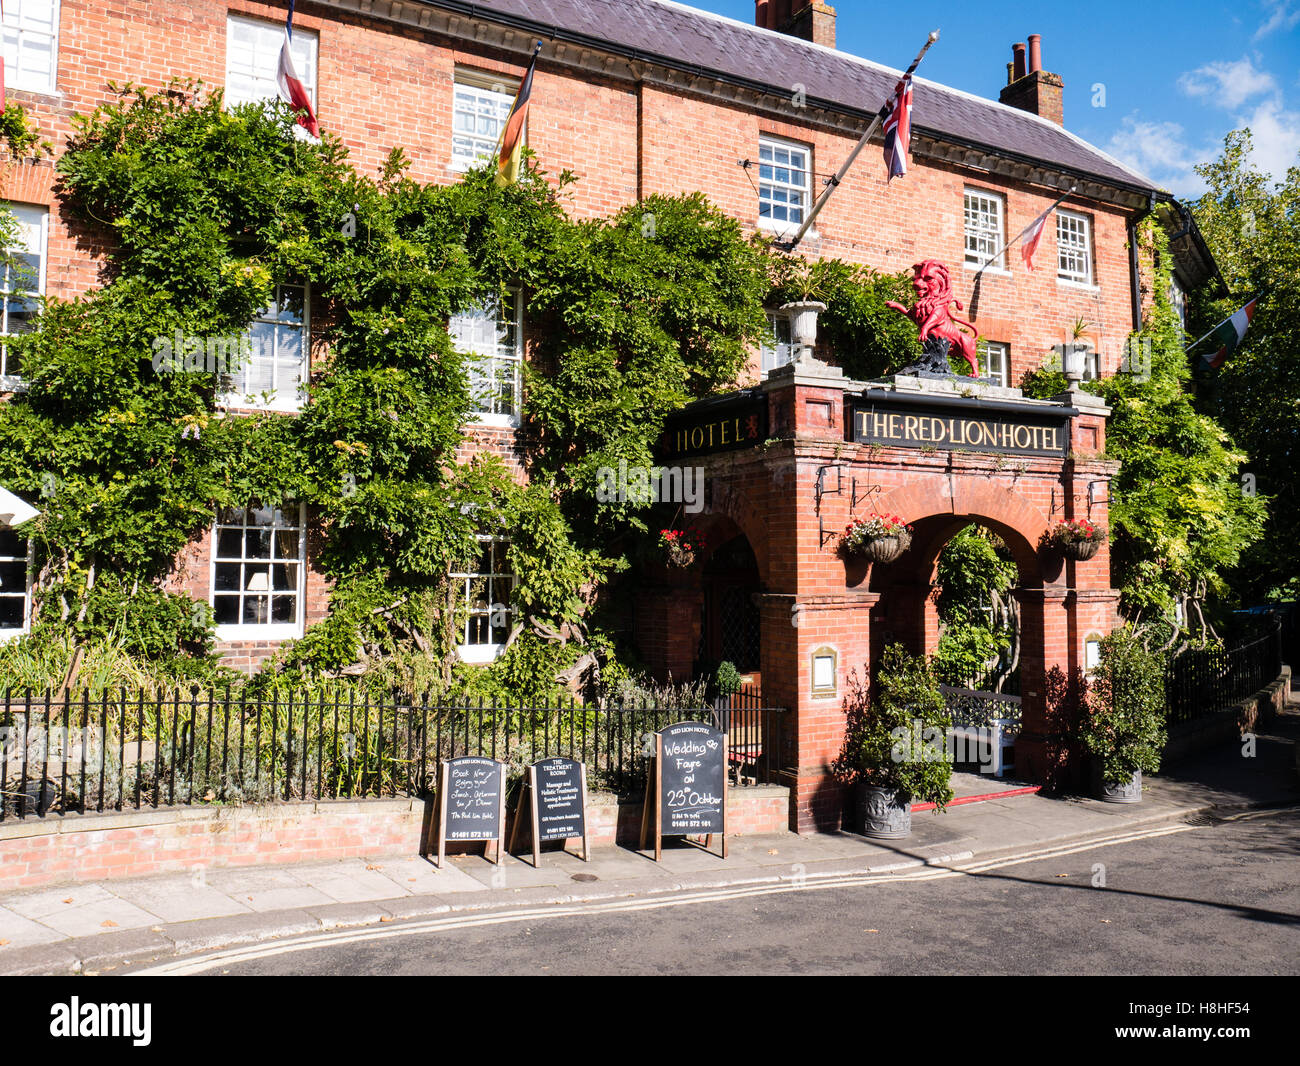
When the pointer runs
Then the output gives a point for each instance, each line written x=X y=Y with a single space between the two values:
x=833 y=183
x=1002 y=251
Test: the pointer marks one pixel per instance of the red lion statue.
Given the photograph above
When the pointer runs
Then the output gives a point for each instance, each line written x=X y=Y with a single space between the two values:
x=932 y=311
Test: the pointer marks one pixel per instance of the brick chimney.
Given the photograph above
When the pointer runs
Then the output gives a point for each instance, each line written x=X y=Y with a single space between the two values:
x=810 y=19
x=1030 y=87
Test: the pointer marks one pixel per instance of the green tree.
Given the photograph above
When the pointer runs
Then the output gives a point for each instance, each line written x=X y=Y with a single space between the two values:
x=1253 y=228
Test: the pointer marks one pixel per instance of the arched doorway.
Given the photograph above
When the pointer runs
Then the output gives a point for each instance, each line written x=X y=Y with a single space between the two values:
x=730 y=628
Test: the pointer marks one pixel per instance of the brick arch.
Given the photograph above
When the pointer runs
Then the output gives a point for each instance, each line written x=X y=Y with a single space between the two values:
x=936 y=518
x=733 y=505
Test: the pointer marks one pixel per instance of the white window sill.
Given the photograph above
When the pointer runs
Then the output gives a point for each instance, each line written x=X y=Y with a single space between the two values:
x=460 y=166
x=496 y=421
x=1082 y=286
x=52 y=91
x=12 y=383
x=992 y=268
x=248 y=403
x=785 y=230
x=13 y=634
x=479 y=653
x=270 y=631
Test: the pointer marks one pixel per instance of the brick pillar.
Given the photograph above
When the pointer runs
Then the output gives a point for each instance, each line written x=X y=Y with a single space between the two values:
x=1048 y=666
x=828 y=623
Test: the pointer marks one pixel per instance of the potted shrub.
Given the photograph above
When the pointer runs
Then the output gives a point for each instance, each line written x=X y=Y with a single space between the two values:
x=880 y=538
x=1123 y=722
x=1076 y=538
x=895 y=751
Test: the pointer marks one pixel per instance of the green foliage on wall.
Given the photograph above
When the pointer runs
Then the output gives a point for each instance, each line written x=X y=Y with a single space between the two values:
x=977 y=616
x=202 y=212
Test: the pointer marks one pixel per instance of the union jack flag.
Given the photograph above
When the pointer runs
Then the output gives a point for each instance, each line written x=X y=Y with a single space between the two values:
x=898 y=130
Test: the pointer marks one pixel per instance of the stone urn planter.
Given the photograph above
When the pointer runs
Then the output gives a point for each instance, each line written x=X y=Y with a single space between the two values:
x=881 y=814
x=803 y=321
x=1129 y=791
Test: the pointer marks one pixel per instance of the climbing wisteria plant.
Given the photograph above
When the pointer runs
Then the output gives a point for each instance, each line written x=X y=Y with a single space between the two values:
x=199 y=212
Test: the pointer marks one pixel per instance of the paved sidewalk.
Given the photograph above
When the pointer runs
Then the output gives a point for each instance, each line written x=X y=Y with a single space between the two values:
x=93 y=928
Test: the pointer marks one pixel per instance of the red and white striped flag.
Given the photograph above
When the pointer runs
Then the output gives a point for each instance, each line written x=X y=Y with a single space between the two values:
x=292 y=91
x=898 y=130
x=1033 y=235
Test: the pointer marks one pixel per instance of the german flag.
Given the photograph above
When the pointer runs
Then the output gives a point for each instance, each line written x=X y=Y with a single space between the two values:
x=512 y=134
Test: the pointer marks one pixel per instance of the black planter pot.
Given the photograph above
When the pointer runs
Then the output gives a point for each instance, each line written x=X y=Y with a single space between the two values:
x=1116 y=791
x=885 y=549
x=1081 y=549
x=882 y=815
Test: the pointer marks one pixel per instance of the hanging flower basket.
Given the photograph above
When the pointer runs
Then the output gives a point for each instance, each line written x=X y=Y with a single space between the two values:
x=877 y=538
x=681 y=546
x=1076 y=538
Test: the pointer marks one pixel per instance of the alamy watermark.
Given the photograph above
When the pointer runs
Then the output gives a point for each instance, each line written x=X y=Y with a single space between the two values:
x=189 y=353
x=920 y=743
x=642 y=485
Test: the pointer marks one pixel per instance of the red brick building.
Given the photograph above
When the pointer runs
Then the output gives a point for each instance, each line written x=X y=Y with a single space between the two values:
x=647 y=96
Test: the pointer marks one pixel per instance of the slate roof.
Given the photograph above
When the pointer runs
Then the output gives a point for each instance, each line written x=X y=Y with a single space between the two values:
x=683 y=36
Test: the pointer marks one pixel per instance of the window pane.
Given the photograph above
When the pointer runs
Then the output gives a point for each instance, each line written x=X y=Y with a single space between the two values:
x=13 y=576
x=225 y=610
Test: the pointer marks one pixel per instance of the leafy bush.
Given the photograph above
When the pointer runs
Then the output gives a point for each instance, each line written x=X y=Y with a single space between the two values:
x=1124 y=714
x=895 y=735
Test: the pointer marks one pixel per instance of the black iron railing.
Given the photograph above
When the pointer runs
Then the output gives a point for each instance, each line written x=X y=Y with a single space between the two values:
x=129 y=751
x=1203 y=681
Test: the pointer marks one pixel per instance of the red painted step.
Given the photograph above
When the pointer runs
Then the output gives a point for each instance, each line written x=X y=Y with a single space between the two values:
x=1028 y=790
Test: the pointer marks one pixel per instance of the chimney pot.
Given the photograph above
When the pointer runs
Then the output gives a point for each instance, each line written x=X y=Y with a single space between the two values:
x=761 y=12
x=1018 y=62
x=1035 y=52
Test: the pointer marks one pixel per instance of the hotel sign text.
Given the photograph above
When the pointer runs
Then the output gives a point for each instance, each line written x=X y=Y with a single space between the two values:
x=739 y=423
x=959 y=428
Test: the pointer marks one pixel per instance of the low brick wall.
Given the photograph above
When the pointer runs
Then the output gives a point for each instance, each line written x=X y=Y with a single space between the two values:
x=750 y=811
x=97 y=847
x=1214 y=730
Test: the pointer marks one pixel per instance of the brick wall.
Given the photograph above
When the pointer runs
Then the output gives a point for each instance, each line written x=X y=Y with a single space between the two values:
x=381 y=85
x=97 y=847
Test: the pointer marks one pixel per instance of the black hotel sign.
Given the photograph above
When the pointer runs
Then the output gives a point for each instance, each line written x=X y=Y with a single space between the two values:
x=960 y=428
x=737 y=422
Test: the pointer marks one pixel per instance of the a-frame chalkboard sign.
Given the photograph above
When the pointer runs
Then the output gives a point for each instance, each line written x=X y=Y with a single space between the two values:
x=556 y=794
x=687 y=786
x=471 y=802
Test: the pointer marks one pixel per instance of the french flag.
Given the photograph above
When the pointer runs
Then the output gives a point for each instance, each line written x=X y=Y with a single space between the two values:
x=292 y=91
x=898 y=130
x=1032 y=236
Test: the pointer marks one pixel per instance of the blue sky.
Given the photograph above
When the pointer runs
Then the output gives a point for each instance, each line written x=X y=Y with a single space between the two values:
x=1176 y=76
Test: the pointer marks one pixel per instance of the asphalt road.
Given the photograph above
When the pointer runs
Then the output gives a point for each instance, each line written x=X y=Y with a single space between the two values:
x=1220 y=898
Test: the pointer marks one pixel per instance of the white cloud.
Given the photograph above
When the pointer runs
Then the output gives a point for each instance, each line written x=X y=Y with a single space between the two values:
x=1282 y=15
x=1228 y=84
x=1255 y=99
x=1275 y=138
x=1160 y=151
